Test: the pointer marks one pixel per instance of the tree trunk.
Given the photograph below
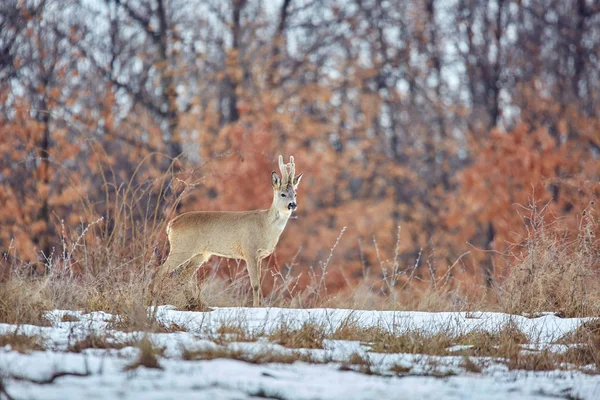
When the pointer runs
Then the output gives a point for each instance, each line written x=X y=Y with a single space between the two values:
x=44 y=177
x=488 y=270
x=168 y=85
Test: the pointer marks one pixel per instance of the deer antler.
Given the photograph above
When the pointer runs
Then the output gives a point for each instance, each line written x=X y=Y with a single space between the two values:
x=288 y=171
x=292 y=173
x=284 y=173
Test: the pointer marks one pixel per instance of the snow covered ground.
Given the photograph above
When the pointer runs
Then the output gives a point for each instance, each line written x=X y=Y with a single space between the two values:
x=423 y=377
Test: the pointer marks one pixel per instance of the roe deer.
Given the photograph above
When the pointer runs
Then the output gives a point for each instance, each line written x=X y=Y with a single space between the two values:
x=247 y=235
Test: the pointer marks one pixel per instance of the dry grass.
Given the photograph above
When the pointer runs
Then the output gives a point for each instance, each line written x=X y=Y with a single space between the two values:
x=148 y=356
x=585 y=345
x=136 y=319
x=551 y=273
x=229 y=332
x=24 y=301
x=359 y=363
x=395 y=339
x=69 y=318
x=350 y=329
x=105 y=264
x=470 y=366
x=399 y=369
x=506 y=342
x=164 y=327
x=505 y=345
x=543 y=360
x=261 y=357
x=21 y=342
x=310 y=336
x=412 y=342
x=584 y=356
x=588 y=332
x=140 y=319
x=552 y=270
x=229 y=328
x=108 y=262
x=95 y=340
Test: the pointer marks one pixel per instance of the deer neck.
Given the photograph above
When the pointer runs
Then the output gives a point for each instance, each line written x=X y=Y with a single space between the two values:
x=277 y=219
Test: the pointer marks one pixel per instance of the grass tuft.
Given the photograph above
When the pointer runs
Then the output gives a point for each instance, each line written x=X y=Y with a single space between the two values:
x=229 y=332
x=310 y=336
x=585 y=345
x=21 y=343
x=148 y=356
x=261 y=357
x=412 y=342
x=359 y=363
x=553 y=269
x=95 y=340
x=69 y=318
x=22 y=302
x=543 y=360
x=399 y=369
x=505 y=342
x=470 y=366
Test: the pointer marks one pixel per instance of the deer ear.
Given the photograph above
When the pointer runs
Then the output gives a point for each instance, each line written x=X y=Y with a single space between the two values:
x=297 y=180
x=275 y=180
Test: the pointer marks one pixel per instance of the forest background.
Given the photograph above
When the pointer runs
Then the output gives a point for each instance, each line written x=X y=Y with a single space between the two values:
x=441 y=134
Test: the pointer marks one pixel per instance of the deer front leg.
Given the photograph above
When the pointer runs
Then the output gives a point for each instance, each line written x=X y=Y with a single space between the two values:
x=254 y=273
x=259 y=280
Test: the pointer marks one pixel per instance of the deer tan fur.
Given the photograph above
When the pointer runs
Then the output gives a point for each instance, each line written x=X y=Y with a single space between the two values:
x=248 y=235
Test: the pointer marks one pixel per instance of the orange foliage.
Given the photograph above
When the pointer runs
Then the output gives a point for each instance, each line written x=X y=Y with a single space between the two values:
x=168 y=123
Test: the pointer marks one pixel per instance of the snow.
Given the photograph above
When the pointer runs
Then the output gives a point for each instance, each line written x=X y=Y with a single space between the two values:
x=545 y=328
x=439 y=377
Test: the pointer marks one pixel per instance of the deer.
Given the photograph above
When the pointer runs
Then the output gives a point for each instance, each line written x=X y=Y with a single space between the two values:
x=248 y=235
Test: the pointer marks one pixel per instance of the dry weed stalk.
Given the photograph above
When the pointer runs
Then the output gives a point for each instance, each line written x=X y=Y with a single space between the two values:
x=552 y=270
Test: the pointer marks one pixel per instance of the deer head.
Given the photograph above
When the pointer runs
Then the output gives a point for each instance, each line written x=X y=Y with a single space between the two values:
x=284 y=187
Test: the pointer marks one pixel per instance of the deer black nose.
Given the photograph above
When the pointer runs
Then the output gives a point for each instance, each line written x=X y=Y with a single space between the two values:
x=292 y=206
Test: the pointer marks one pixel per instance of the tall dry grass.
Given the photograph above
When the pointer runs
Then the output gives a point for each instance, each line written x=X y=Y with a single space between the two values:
x=104 y=264
x=553 y=269
x=108 y=263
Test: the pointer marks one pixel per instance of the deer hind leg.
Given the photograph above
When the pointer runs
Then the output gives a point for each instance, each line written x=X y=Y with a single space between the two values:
x=198 y=261
x=175 y=261
x=253 y=266
x=194 y=264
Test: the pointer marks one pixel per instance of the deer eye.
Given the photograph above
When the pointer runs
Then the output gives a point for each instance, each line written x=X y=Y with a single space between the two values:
x=283 y=195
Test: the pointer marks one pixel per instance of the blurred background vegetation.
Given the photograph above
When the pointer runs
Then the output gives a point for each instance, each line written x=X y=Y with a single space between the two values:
x=441 y=117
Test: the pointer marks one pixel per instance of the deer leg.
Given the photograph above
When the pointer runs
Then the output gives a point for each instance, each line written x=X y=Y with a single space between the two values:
x=259 y=280
x=252 y=266
x=196 y=263
x=174 y=261
x=180 y=268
